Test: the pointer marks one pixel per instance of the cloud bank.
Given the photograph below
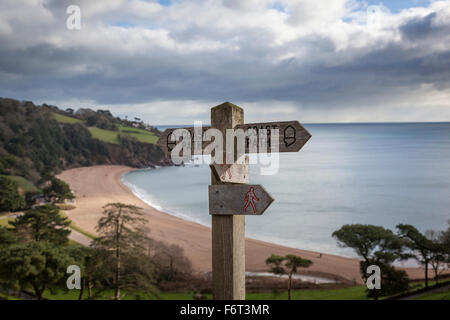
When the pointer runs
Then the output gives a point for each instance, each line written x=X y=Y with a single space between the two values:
x=315 y=61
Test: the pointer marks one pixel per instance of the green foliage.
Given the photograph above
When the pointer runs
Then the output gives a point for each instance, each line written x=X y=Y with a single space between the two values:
x=100 y=122
x=5 y=222
x=58 y=189
x=436 y=296
x=43 y=223
x=24 y=184
x=445 y=240
x=169 y=261
x=65 y=119
x=393 y=281
x=34 y=252
x=38 y=141
x=35 y=264
x=140 y=134
x=291 y=263
x=7 y=237
x=420 y=248
x=106 y=136
x=10 y=199
x=7 y=162
x=370 y=242
x=377 y=246
x=113 y=137
x=275 y=262
x=120 y=250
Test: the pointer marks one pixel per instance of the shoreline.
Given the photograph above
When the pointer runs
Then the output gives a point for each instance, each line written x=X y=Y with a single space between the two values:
x=96 y=186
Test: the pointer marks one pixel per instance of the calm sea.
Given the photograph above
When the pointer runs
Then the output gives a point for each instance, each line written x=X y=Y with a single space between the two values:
x=382 y=174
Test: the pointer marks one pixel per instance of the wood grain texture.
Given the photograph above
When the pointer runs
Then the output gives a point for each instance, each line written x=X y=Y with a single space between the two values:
x=238 y=199
x=228 y=232
x=166 y=144
x=232 y=173
x=292 y=135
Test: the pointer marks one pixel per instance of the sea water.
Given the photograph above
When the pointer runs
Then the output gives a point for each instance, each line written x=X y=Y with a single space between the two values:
x=381 y=174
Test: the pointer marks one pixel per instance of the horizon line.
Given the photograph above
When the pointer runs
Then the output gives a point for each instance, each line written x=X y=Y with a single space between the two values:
x=334 y=123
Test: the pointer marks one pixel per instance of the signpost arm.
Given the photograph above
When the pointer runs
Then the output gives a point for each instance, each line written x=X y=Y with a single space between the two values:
x=228 y=231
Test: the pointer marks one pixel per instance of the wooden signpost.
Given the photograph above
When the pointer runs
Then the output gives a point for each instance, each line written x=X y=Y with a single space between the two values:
x=231 y=197
x=232 y=173
x=239 y=199
x=292 y=136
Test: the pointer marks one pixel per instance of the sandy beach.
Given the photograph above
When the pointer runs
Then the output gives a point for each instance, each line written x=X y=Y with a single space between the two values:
x=96 y=186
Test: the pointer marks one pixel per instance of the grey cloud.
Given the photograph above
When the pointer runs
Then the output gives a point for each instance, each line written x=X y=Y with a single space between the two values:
x=419 y=28
x=44 y=71
x=422 y=28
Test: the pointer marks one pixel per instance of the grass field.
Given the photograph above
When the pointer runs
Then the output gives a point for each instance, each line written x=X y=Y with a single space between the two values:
x=23 y=183
x=110 y=136
x=140 y=134
x=107 y=136
x=352 y=293
x=4 y=222
x=436 y=296
x=65 y=119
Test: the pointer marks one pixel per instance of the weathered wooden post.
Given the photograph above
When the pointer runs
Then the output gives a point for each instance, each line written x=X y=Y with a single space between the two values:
x=230 y=195
x=228 y=231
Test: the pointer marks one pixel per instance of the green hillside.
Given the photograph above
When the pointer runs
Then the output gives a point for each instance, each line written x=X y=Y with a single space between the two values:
x=65 y=119
x=39 y=141
x=140 y=134
x=24 y=184
x=110 y=136
x=107 y=136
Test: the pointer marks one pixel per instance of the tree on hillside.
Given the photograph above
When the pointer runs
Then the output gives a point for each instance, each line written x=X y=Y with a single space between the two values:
x=287 y=265
x=36 y=253
x=43 y=223
x=7 y=162
x=445 y=239
x=420 y=248
x=438 y=252
x=58 y=190
x=377 y=246
x=170 y=262
x=10 y=199
x=7 y=237
x=120 y=249
x=83 y=258
x=372 y=243
x=37 y=265
x=393 y=281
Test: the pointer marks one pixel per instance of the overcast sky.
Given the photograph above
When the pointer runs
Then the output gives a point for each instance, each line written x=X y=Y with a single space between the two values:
x=169 y=62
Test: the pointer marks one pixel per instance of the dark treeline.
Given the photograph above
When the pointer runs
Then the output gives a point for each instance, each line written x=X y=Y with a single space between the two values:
x=34 y=145
x=122 y=261
x=381 y=247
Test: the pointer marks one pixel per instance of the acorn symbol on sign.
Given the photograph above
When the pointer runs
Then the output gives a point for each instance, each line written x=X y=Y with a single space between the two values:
x=289 y=136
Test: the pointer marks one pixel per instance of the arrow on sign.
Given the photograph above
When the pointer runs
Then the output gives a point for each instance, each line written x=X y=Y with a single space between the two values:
x=238 y=199
x=292 y=136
